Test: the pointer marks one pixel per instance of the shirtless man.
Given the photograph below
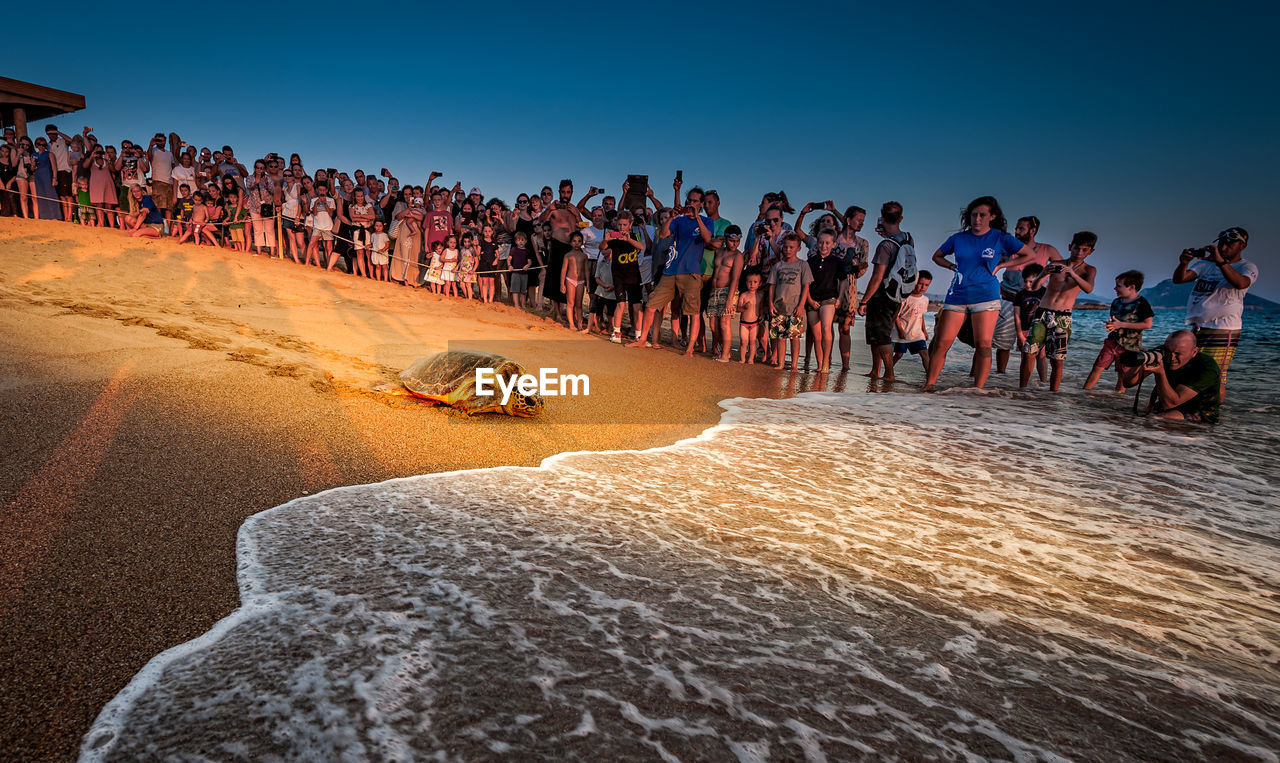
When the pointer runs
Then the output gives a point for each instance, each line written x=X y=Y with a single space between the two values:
x=1005 y=337
x=564 y=217
x=726 y=269
x=1051 y=322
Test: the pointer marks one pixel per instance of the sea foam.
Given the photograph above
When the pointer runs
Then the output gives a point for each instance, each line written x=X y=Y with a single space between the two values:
x=831 y=576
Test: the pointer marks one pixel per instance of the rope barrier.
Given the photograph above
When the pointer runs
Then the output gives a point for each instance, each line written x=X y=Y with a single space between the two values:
x=118 y=210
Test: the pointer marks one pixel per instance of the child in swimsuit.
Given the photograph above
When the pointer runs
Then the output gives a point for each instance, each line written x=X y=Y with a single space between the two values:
x=572 y=274
x=749 y=323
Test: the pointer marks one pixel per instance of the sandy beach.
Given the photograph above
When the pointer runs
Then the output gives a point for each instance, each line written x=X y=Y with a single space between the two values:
x=156 y=395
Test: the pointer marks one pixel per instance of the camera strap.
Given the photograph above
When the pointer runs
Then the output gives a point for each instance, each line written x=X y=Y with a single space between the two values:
x=1137 y=397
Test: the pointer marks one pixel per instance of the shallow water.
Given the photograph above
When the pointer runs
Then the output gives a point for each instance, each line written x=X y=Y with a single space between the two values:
x=996 y=575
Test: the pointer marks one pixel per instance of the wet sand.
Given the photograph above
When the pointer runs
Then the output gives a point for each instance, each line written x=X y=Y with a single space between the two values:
x=155 y=395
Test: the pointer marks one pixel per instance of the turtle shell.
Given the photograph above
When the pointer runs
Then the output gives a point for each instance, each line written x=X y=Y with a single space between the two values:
x=449 y=377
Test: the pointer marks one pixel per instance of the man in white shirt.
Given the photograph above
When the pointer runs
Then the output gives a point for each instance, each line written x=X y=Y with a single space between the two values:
x=1216 y=306
x=161 y=161
x=59 y=144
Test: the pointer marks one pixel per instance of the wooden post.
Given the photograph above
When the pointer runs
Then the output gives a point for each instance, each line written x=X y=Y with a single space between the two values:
x=20 y=121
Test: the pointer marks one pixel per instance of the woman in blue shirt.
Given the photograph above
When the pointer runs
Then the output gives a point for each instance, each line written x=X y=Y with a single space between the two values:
x=143 y=219
x=981 y=248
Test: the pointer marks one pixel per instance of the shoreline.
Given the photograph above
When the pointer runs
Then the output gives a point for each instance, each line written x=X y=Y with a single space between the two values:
x=140 y=451
x=247 y=557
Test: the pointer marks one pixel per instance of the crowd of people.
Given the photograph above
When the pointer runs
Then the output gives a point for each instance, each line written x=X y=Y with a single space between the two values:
x=617 y=264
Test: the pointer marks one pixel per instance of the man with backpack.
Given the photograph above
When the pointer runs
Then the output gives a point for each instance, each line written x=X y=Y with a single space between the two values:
x=893 y=277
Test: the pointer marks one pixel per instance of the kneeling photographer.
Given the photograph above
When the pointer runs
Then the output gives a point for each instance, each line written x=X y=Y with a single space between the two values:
x=1186 y=379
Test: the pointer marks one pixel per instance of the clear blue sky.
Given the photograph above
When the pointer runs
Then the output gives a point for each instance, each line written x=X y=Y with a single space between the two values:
x=1153 y=125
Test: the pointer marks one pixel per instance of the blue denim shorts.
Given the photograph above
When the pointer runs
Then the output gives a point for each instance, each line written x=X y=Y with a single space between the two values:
x=976 y=307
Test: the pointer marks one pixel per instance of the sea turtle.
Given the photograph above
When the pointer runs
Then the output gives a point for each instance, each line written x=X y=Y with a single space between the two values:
x=449 y=377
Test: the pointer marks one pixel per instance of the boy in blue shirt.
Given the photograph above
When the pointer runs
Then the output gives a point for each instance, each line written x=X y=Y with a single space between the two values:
x=1130 y=316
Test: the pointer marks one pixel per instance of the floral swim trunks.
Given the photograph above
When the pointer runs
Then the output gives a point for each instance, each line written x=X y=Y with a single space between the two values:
x=718 y=303
x=786 y=327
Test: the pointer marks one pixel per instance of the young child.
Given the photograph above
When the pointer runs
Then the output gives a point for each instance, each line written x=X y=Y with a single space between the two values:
x=909 y=333
x=606 y=301
x=467 y=265
x=749 y=319
x=1130 y=316
x=726 y=271
x=1025 y=303
x=183 y=207
x=449 y=265
x=84 y=203
x=194 y=222
x=322 y=209
x=657 y=254
x=235 y=231
x=519 y=258
x=487 y=263
x=435 y=267
x=573 y=273
x=624 y=248
x=788 y=292
x=764 y=346
x=213 y=214
x=380 y=246
x=1051 y=323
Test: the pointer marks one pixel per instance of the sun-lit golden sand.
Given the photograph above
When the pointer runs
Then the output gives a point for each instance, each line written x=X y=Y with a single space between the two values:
x=155 y=395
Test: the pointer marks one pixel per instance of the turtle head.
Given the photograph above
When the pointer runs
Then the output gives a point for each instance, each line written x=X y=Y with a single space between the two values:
x=524 y=406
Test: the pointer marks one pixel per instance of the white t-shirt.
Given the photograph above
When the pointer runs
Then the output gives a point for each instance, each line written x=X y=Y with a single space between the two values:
x=646 y=267
x=58 y=151
x=912 y=314
x=1214 y=303
x=132 y=172
x=179 y=175
x=321 y=208
x=162 y=166
x=591 y=238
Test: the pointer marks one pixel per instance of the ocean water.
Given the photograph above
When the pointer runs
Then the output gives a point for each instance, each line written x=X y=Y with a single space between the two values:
x=959 y=575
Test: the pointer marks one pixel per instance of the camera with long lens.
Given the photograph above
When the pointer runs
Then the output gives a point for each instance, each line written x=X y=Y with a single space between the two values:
x=1143 y=358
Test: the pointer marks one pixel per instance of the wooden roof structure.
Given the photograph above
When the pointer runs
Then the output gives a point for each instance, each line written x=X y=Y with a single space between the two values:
x=21 y=102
